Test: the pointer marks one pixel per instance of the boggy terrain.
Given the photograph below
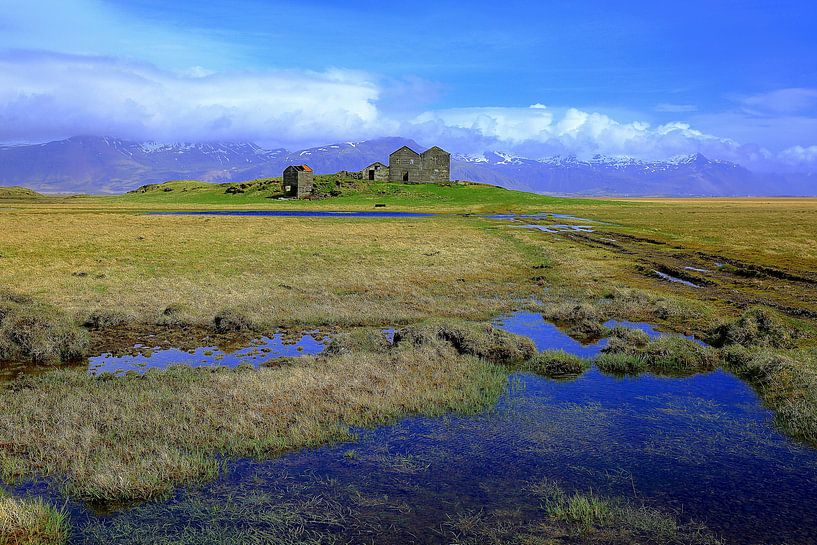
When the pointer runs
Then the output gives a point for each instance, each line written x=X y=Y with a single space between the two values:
x=86 y=275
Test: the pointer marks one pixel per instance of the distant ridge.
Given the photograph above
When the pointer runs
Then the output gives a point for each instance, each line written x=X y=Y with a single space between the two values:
x=90 y=164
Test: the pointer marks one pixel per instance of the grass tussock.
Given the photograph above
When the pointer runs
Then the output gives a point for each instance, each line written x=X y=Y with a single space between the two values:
x=31 y=331
x=232 y=321
x=136 y=437
x=577 y=518
x=31 y=522
x=633 y=351
x=107 y=318
x=621 y=363
x=755 y=328
x=583 y=320
x=358 y=340
x=475 y=339
x=612 y=520
x=555 y=364
x=787 y=382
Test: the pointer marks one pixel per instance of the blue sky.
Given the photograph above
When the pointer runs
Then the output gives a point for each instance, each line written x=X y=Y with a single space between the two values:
x=734 y=79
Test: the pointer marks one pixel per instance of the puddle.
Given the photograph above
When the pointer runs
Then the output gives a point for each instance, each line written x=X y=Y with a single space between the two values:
x=546 y=336
x=675 y=279
x=538 y=216
x=259 y=351
x=559 y=228
x=295 y=213
x=696 y=269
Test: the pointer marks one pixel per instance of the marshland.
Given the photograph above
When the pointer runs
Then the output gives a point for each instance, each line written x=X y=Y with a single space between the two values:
x=463 y=379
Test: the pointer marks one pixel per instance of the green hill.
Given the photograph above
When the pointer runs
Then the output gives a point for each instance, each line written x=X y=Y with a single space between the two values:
x=19 y=193
x=336 y=192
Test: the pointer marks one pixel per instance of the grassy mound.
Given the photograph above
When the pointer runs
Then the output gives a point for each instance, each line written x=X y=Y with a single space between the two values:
x=787 y=382
x=632 y=351
x=358 y=340
x=19 y=193
x=34 y=332
x=756 y=327
x=556 y=364
x=474 y=339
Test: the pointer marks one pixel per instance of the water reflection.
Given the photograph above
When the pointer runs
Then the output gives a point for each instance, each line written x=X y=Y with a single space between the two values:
x=258 y=352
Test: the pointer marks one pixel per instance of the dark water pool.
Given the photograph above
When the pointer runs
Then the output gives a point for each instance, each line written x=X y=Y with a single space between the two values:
x=296 y=213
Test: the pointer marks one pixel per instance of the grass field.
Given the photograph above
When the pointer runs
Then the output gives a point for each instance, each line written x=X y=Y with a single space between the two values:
x=105 y=263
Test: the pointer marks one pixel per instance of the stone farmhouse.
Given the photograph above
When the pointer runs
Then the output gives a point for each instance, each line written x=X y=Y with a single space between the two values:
x=432 y=166
x=298 y=181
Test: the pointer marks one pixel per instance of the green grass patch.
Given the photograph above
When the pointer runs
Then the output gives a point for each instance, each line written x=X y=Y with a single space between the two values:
x=31 y=522
x=555 y=364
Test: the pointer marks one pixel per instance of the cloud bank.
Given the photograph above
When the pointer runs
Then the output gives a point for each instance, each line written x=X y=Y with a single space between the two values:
x=44 y=96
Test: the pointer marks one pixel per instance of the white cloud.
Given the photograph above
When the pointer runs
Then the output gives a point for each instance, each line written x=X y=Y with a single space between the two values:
x=567 y=130
x=48 y=95
x=782 y=101
x=45 y=96
x=667 y=107
x=797 y=155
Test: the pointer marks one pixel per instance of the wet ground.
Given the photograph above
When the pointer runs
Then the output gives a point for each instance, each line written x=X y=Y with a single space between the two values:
x=702 y=448
x=258 y=352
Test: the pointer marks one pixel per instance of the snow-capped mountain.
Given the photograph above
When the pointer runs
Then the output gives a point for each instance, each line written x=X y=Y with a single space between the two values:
x=101 y=165
x=683 y=175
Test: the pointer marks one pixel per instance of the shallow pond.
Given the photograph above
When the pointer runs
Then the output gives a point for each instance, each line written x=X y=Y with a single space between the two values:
x=700 y=447
x=258 y=352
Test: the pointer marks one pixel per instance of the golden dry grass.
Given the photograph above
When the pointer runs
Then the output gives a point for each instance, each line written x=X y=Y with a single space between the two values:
x=769 y=231
x=279 y=271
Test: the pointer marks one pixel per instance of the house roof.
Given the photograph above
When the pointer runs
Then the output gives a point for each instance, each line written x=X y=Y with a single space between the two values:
x=405 y=148
x=435 y=149
x=303 y=168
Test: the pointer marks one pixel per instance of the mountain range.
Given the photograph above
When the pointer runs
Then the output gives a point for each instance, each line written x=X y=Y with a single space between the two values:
x=90 y=164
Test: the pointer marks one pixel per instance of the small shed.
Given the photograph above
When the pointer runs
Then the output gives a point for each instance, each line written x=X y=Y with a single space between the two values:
x=298 y=181
x=377 y=171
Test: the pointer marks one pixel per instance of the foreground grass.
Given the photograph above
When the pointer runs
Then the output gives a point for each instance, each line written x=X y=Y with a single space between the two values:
x=137 y=437
x=30 y=522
